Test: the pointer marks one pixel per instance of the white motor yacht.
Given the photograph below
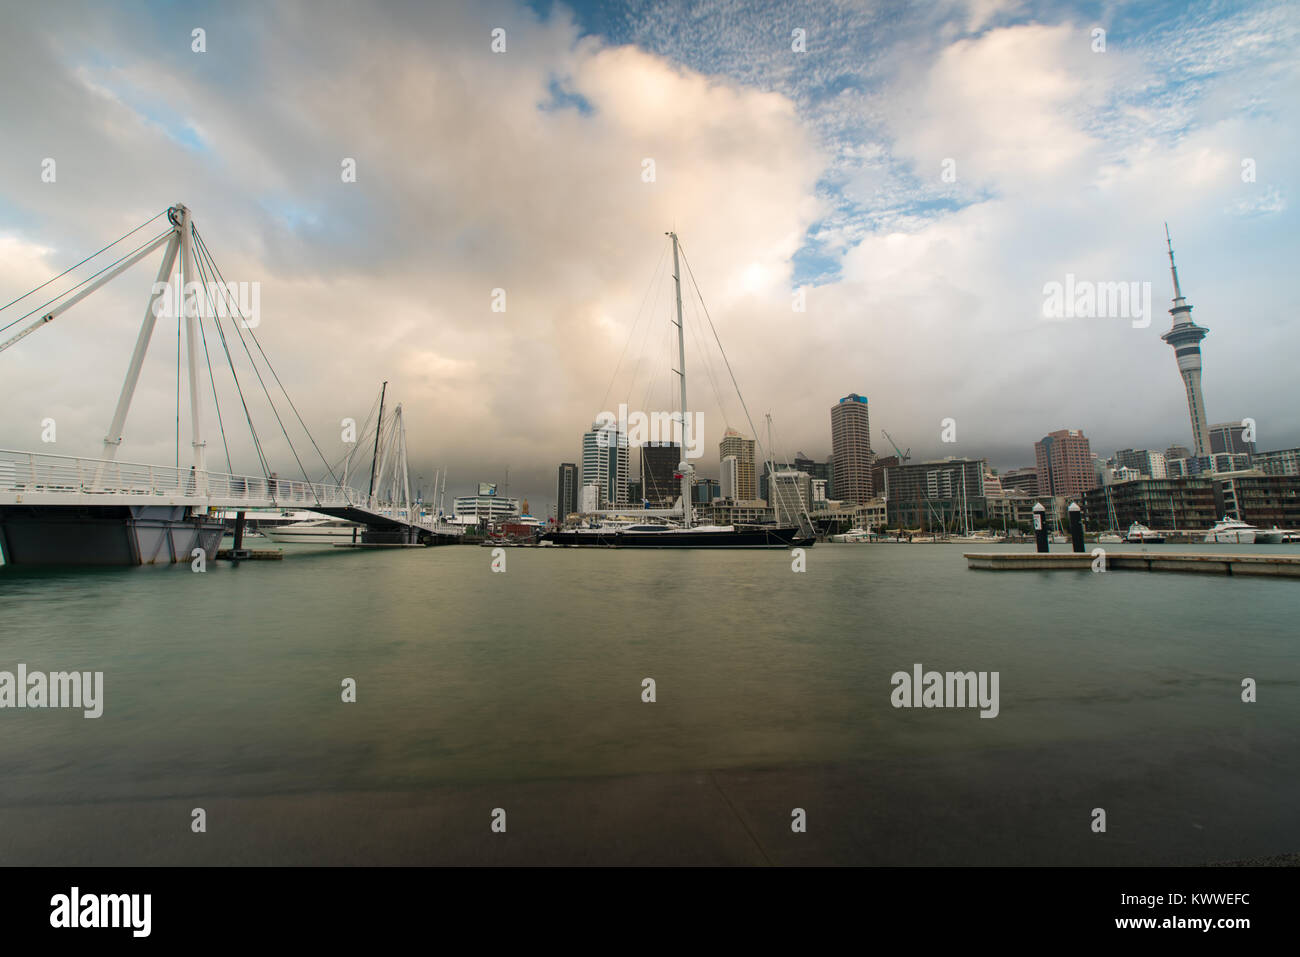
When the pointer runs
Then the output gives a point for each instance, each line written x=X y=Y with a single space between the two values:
x=1230 y=530
x=1141 y=535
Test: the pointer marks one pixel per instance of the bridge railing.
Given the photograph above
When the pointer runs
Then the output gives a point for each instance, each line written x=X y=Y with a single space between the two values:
x=41 y=473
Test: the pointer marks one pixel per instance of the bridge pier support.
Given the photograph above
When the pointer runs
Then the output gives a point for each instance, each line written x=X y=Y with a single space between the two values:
x=106 y=535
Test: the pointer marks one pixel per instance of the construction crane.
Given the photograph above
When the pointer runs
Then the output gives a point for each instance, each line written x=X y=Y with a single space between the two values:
x=903 y=457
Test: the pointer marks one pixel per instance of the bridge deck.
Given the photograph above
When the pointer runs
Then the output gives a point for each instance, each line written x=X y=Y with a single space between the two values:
x=34 y=479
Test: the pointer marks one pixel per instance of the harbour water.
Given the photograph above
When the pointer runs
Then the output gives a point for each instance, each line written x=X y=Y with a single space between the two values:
x=524 y=689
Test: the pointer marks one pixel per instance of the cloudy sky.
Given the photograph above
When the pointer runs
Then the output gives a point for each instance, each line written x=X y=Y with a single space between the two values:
x=920 y=171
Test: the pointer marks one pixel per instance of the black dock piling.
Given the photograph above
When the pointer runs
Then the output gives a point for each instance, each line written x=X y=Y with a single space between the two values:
x=1040 y=527
x=1076 y=526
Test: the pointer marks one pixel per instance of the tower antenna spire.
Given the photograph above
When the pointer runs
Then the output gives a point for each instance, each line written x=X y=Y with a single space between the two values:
x=1185 y=337
x=1173 y=270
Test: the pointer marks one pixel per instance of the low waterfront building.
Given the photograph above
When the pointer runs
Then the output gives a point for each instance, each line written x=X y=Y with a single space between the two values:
x=725 y=511
x=1012 y=508
x=1263 y=500
x=942 y=494
x=1169 y=504
x=489 y=508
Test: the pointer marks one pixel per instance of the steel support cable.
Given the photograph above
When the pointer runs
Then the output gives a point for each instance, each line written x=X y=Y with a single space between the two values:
x=653 y=285
x=361 y=437
x=708 y=365
x=44 y=307
x=216 y=401
x=203 y=251
x=276 y=376
x=230 y=360
x=645 y=336
x=82 y=263
x=695 y=285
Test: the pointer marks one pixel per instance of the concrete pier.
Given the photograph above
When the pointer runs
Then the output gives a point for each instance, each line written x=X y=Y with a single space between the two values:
x=1281 y=566
x=105 y=535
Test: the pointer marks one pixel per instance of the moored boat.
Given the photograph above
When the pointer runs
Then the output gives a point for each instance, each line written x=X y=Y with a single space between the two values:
x=1230 y=530
x=1139 y=534
x=317 y=531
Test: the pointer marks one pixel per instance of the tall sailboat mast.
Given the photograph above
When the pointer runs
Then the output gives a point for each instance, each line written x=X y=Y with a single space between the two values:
x=684 y=467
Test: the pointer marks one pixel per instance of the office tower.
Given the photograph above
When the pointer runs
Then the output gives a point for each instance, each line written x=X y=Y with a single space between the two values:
x=1146 y=462
x=705 y=490
x=604 y=464
x=1064 y=463
x=1185 y=337
x=659 y=461
x=1021 y=480
x=851 y=448
x=567 y=491
x=1230 y=437
x=733 y=443
x=791 y=495
x=730 y=477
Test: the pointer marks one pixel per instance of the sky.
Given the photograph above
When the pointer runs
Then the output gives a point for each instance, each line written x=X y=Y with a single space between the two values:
x=917 y=175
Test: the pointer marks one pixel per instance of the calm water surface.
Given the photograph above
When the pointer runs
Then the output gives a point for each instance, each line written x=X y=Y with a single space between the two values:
x=228 y=682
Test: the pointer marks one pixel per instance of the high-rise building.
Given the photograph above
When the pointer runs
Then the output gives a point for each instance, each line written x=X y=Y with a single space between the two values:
x=730 y=477
x=733 y=443
x=1230 y=437
x=1021 y=480
x=801 y=463
x=567 y=492
x=791 y=495
x=1146 y=462
x=1065 y=466
x=659 y=461
x=1185 y=336
x=705 y=490
x=878 y=467
x=851 y=448
x=604 y=464
x=1177 y=452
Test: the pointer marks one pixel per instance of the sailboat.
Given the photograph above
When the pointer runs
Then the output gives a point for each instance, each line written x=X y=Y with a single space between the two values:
x=686 y=534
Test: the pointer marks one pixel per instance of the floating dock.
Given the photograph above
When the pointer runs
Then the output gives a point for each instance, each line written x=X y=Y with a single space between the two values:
x=1278 y=566
x=251 y=554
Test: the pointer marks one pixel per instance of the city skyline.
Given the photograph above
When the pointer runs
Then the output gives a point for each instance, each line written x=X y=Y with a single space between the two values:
x=783 y=172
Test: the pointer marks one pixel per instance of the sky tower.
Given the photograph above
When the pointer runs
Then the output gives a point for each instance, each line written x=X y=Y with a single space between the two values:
x=1185 y=336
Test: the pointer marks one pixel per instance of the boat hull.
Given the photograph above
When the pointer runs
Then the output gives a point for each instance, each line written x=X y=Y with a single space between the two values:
x=742 y=538
x=307 y=537
x=1246 y=537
